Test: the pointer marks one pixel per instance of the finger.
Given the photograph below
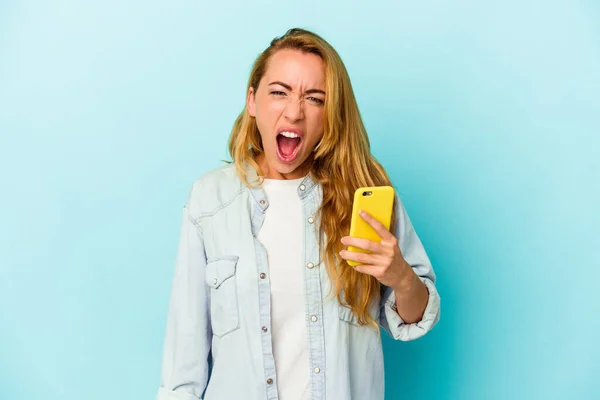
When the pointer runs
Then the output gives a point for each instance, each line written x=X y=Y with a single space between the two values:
x=361 y=258
x=381 y=230
x=364 y=268
x=364 y=244
x=368 y=269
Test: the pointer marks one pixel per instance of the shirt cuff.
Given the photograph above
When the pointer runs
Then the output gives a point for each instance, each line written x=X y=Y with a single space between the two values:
x=398 y=329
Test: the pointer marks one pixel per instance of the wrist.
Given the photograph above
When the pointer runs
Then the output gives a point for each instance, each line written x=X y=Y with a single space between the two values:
x=407 y=281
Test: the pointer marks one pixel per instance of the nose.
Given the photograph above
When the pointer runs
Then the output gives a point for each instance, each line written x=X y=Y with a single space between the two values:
x=294 y=109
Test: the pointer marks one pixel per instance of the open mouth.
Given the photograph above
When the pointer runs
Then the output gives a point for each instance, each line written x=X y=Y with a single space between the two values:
x=288 y=145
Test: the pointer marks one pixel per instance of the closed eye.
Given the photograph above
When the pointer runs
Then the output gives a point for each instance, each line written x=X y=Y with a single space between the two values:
x=316 y=100
x=278 y=93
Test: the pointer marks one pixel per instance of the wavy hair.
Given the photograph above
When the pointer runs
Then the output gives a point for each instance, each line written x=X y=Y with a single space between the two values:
x=342 y=162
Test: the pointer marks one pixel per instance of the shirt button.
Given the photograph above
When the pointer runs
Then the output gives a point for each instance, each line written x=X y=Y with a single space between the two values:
x=215 y=281
x=310 y=265
x=317 y=370
x=311 y=220
x=302 y=187
x=270 y=381
x=262 y=202
x=264 y=329
x=313 y=318
x=263 y=275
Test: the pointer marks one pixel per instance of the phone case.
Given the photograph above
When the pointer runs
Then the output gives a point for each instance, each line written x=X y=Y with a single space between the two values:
x=377 y=201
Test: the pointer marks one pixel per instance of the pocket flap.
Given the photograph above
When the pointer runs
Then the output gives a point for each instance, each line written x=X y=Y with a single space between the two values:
x=219 y=271
x=347 y=315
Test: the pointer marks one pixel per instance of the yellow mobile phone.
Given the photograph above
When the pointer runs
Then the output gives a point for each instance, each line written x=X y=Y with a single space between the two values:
x=377 y=201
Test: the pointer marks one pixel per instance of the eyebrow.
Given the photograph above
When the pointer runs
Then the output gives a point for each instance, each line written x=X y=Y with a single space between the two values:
x=288 y=87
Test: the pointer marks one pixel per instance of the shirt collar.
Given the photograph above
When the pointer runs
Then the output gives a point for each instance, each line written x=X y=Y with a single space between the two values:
x=306 y=186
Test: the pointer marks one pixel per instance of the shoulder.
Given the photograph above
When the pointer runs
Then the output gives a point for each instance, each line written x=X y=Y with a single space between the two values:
x=221 y=178
x=214 y=189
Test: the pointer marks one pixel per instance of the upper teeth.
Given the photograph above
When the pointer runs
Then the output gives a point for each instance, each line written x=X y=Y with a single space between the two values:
x=290 y=134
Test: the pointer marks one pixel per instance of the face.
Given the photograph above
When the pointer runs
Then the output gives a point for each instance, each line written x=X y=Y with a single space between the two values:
x=289 y=110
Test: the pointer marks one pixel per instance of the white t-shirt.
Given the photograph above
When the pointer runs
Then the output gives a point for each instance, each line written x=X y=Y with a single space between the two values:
x=281 y=234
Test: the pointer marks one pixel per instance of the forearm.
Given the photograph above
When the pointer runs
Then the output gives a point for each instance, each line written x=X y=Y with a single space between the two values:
x=411 y=298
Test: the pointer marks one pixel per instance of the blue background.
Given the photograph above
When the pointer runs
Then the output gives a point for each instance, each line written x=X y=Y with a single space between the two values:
x=486 y=115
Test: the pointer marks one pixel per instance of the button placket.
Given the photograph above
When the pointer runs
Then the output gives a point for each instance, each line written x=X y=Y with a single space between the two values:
x=260 y=205
x=314 y=301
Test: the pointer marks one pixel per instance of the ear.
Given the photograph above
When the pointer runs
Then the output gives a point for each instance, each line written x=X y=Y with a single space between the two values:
x=250 y=102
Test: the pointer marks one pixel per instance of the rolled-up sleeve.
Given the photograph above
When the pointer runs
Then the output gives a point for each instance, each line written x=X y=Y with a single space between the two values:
x=185 y=366
x=415 y=255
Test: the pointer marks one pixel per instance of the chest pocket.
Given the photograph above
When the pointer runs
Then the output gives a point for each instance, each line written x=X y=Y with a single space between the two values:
x=224 y=308
x=346 y=315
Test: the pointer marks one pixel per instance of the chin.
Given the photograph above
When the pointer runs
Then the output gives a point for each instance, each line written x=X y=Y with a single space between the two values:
x=285 y=168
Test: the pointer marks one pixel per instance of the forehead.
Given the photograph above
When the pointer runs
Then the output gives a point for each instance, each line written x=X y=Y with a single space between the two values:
x=296 y=69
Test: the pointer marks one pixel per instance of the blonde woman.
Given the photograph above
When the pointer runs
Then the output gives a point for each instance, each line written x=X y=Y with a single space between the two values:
x=264 y=304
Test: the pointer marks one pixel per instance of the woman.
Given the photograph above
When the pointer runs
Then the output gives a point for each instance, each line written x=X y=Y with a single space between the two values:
x=264 y=304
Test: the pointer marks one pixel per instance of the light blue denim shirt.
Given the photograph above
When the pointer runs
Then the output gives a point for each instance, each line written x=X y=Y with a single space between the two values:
x=218 y=338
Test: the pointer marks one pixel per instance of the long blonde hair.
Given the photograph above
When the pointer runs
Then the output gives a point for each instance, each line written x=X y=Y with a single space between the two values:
x=342 y=162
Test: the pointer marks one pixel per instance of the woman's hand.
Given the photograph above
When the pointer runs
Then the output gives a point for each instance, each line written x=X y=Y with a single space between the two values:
x=385 y=262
